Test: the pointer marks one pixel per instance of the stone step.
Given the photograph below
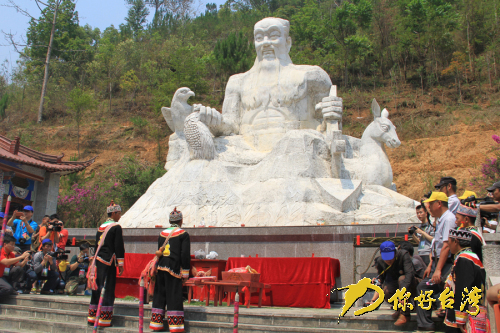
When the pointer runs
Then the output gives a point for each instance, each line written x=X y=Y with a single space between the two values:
x=63 y=308
x=38 y=325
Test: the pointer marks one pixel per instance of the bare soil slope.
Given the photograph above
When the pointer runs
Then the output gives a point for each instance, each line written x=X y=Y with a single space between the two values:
x=439 y=137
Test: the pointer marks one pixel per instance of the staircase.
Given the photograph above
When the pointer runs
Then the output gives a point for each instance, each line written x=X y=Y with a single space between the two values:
x=38 y=313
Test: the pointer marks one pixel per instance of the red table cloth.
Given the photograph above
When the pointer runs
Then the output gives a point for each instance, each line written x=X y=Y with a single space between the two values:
x=295 y=282
x=127 y=284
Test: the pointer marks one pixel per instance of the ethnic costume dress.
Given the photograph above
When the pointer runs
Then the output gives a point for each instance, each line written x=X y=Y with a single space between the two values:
x=111 y=255
x=477 y=241
x=172 y=267
x=467 y=272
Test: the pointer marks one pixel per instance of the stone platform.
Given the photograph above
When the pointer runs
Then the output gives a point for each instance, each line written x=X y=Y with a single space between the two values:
x=323 y=241
x=54 y=314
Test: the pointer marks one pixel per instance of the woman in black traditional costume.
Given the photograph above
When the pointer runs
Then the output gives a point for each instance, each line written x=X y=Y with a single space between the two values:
x=467 y=275
x=110 y=255
x=174 y=250
x=466 y=216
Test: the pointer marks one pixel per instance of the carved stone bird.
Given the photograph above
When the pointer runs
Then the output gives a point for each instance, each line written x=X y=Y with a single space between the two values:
x=199 y=138
x=178 y=111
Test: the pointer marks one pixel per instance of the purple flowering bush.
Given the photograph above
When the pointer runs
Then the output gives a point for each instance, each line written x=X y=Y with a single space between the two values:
x=84 y=205
x=490 y=169
x=83 y=200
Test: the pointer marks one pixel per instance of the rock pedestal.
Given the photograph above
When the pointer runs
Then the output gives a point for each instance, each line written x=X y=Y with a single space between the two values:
x=289 y=186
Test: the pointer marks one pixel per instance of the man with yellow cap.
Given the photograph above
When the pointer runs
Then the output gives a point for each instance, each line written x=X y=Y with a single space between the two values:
x=441 y=263
x=110 y=253
x=467 y=194
x=174 y=261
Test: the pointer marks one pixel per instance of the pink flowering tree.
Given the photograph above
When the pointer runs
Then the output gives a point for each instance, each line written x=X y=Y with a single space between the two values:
x=83 y=200
x=490 y=169
x=85 y=205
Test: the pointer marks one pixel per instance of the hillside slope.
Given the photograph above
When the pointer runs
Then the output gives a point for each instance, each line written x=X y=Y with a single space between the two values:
x=437 y=139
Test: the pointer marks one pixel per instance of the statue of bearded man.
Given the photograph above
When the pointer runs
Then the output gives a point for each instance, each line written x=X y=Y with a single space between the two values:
x=275 y=95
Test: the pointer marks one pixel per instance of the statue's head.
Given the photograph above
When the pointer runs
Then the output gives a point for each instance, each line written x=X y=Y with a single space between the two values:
x=382 y=129
x=272 y=40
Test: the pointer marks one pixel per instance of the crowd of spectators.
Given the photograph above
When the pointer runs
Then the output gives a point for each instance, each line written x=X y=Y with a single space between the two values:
x=33 y=257
x=451 y=229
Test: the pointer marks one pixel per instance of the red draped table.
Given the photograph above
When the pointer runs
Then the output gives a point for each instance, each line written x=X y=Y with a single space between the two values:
x=127 y=284
x=295 y=282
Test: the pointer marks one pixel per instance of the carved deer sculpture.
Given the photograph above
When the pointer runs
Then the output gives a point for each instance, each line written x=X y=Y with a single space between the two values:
x=370 y=162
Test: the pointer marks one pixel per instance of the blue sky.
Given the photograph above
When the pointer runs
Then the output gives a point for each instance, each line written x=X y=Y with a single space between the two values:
x=97 y=13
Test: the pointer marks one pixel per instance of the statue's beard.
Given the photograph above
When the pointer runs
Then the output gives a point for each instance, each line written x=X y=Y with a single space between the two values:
x=269 y=66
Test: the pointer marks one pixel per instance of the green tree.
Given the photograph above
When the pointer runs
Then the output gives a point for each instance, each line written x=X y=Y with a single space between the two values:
x=347 y=25
x=108 y=65
x=56 y=35
x=4 y=103
x=134 y=178
x=129 y=82
x=137 y=14
x=426 y=27
x=79 y=102
x=233 y=54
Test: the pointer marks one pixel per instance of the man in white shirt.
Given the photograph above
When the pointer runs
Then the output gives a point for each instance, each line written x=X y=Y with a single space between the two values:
x=440 y=266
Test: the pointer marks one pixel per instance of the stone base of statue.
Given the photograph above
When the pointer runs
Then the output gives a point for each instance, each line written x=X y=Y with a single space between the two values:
x=291 y=185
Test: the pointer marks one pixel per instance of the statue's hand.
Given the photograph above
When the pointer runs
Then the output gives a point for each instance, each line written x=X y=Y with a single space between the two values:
x=331 y=108
x=208 y=115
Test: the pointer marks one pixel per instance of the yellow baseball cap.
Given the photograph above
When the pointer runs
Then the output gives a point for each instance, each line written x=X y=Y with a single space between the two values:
x=437 y=196
x=467 y=194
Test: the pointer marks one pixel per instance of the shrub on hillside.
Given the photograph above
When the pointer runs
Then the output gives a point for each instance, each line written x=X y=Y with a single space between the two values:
x=84 y=204
x=134 y=178
x=490 y=169
x=82 y=201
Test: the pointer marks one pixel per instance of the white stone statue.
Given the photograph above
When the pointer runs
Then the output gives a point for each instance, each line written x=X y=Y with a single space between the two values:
x=278 y=156
x=176 y=114
x=198 y=135
x=372 y=164
x=275 y=95
x=191 y=125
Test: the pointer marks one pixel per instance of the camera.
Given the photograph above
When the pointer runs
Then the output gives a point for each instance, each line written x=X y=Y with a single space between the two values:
x=60 y=255
x=22 y=241
x=412 y=230
x=86 y=259
x=56 y=226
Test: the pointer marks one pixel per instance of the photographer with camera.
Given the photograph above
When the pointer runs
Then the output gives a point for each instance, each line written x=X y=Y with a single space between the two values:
x=55 y=232
x=494 y=206
x=11 y=267
x=23 y=227
x=424 y=234
x=78 y=270
x=44 y=268
x=36 y=240
x=8 y=230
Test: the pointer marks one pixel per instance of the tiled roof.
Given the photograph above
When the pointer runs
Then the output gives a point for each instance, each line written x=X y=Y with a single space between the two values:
x=13 y=151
